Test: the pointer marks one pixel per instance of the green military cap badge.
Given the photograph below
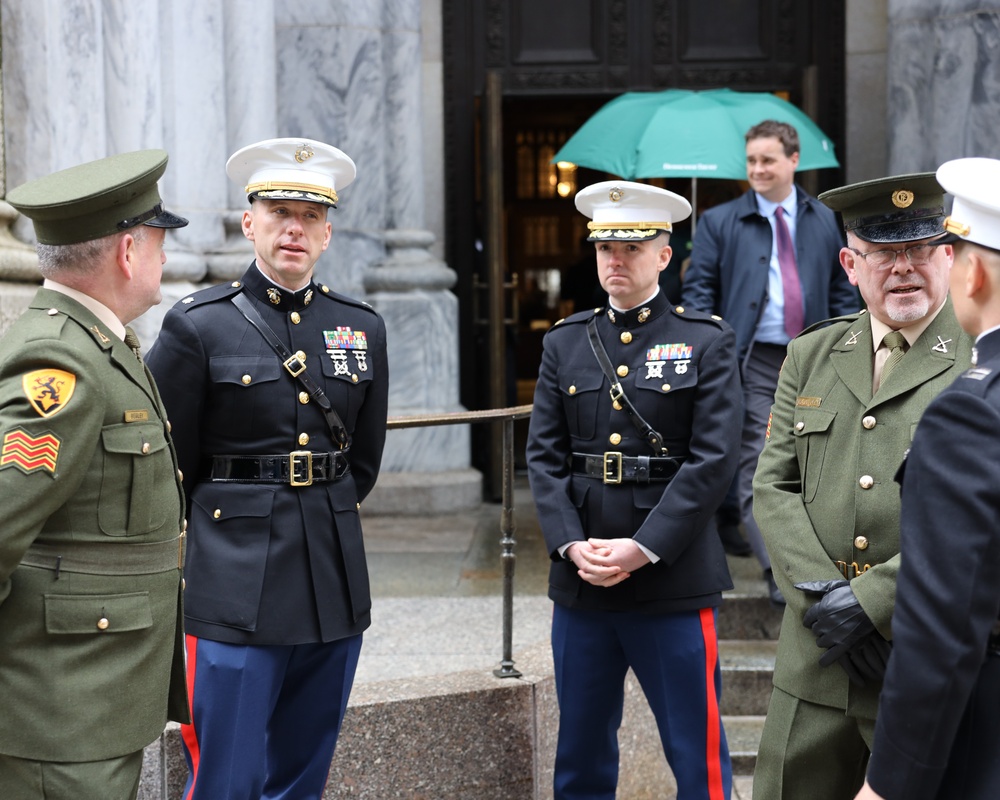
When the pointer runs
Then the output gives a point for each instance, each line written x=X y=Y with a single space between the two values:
x=96 y=199
x=902 y=208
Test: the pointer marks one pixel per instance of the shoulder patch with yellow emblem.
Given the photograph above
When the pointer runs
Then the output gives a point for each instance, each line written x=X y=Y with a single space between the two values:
x=29 y=453
x=48 y=390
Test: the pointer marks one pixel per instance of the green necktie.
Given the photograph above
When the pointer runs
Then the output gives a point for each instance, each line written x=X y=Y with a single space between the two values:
x=896 y=343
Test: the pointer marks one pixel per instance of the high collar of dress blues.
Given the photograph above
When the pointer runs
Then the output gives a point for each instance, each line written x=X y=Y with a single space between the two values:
x=640 y=315
x=988 y=346
x=275 y=296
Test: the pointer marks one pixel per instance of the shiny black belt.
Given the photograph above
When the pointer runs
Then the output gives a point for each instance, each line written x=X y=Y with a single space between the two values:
x=298 y=468
x=613 y=467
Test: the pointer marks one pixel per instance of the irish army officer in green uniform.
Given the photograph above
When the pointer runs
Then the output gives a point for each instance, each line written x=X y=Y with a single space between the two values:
x=91 y=547
x=847 y=404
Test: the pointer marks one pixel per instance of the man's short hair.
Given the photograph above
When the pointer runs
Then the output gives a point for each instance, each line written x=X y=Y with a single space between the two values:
x=782 y=131
x=80 y=258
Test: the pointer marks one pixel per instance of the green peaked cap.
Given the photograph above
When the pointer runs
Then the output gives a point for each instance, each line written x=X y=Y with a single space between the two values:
x=96 y=199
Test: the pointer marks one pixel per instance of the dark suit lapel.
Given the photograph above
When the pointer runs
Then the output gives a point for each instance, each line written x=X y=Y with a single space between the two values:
x=852 y=359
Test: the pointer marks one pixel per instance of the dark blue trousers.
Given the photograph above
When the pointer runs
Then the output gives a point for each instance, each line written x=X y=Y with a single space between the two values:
x=675 y=659
x=265 y=718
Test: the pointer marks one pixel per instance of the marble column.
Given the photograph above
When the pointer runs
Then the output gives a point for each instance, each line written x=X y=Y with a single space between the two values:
x=944 y=82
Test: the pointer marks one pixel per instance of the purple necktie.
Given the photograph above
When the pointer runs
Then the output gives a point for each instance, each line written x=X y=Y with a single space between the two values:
x=794 y=315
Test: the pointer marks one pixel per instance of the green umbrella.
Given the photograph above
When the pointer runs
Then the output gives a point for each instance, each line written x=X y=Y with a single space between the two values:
x=685 y=134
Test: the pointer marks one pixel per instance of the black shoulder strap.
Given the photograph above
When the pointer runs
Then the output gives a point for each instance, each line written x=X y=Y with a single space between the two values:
x=618 y=393
x=296 y=368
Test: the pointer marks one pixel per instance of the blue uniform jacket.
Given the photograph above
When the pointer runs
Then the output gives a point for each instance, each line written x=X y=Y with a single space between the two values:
x=731 y=256
x=273 y=563
x=937 y=734
x=680 y=373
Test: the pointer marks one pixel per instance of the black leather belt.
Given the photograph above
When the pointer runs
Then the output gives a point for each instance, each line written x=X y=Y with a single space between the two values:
x=298 y=468
x=613 y=467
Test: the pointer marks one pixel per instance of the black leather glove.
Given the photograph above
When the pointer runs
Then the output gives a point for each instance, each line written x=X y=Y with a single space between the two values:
x=841 y=625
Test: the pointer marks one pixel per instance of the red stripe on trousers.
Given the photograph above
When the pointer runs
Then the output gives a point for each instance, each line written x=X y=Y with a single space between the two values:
x=188 y=732
x=713 y=739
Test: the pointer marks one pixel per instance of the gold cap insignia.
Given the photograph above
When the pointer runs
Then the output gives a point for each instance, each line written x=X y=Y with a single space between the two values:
x=902 y=198
x=274 y=295
x=616 y=194
x=304 y=153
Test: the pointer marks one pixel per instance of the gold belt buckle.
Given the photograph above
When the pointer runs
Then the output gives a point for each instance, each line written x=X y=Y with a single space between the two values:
x=846 y=569
x=612 y=468
x=293 y=460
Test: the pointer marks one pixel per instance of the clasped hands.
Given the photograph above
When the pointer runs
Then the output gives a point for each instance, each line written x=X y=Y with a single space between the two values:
x=841 y=625
x=606 y=562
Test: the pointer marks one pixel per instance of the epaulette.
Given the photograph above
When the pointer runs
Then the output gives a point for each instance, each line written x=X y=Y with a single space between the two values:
x=326 y=291
x=823 y=323
x=701 y=316
x=221 y=291
x=579 y=316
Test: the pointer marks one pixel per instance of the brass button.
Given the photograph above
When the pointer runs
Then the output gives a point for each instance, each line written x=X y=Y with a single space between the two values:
x=572 y=390
x=358 y=505
x=303 y=438
x=246 y=379
x=622 y=371
x=180 y=476
x=679 y=309
x=615 y=438
x=354 y=377
x=183 y=584
x=866 y=481
x=52 y=312
x=301 y=356
x=861 y=543
x=626 y=337
x=145 y=448
x=325 y=289
x=217 y=513
x=616 y=406
x=184 y=525
x=169 y=426
x=296 y=319
x=666 y=387
x=103 y=624
x=235 y=284
x=799 y=426
x=868 y=423
x=303 y=397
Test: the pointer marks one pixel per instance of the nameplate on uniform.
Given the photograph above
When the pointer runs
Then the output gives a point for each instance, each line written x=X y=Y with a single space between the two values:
x=808 y=402
x=137 y=416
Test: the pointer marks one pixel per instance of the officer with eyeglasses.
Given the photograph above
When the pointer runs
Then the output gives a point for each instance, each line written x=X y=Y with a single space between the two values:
x=848 y=401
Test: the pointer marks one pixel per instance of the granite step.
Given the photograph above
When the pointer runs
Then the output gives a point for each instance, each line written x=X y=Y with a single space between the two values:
x=747 y=669
x=743 y=736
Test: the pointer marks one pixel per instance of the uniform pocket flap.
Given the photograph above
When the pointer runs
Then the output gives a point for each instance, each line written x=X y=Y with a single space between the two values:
x=221 y=501
x=812 y=420
x=134 y=438
x=575 y=380
x=97 y=613
x=244 y=370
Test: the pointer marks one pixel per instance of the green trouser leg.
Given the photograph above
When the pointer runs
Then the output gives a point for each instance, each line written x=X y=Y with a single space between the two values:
x=113 y=779
x=810 y=751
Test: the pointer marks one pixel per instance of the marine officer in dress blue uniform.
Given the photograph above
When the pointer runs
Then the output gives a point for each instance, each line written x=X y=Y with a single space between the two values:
x=277 y=388
x=91 y=546
x=633 y=442
x=938 y=731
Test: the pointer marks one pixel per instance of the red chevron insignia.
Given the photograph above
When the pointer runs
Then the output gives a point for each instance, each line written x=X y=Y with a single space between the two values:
x=29 y=453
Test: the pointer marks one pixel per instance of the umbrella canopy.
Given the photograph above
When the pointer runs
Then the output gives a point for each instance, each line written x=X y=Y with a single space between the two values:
x=686 y=134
